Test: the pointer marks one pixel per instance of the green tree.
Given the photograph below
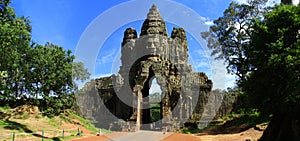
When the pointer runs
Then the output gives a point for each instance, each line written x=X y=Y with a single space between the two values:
x=264 y=54
x=274 y=85
x=50 y=70
x=30 y=69
x=51 y=76
x=230 y=35
x=79 y=73
x=155 y=97
x=3 y=75
x=15 y=37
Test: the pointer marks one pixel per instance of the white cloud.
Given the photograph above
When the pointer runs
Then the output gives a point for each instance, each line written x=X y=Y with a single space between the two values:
x=154 y=87
x=209 y=23
x=200 y=64
x=214 y=69
x=272 y=2
x=230 y=80
x=107 y=57
x=220 y=78
x=269 y=3
x=295 y=2
x=218 y=74
x=241 y=1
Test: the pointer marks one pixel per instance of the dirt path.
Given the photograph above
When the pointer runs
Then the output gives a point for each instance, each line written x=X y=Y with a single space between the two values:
x=102 y=137
x=250 y=134
x=92 y=138
x=143 y=136
x=128 y=136
x=182 y=137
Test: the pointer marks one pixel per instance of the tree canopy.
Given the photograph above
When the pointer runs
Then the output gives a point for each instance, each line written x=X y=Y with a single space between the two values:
x=30 y=70
x=263 y=50
x=15 y=40
x=274 y=85
x=230 y=35
x=275 y=58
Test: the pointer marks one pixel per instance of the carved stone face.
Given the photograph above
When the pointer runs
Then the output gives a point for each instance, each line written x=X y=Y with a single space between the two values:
x=130 y=33
x=152 y=43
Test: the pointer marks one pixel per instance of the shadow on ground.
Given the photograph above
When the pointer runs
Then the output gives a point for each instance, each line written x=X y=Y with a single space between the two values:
x=12 y=125
x=236 y=125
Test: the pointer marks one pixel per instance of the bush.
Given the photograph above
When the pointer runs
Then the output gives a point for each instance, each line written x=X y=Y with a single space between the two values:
x=53 y=106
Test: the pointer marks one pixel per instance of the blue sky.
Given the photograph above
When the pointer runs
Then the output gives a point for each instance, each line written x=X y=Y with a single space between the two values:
x=65 y=23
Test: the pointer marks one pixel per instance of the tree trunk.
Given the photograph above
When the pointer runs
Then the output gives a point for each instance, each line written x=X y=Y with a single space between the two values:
x=283 y=127
x=16 y=89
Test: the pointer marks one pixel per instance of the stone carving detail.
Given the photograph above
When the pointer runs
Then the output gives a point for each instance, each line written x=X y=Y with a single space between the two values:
x=154 y=55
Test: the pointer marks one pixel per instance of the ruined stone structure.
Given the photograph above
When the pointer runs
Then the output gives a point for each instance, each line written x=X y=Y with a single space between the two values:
x=153 y=54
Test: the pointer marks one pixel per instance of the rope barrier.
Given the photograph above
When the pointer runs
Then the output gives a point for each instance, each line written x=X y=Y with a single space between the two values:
x=41 y=134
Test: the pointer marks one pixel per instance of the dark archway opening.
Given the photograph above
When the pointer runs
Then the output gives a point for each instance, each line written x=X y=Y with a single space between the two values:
x=155 y=98
x=152 y=109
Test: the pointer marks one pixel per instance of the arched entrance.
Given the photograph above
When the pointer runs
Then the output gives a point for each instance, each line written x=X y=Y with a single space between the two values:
x=149 y=69
x=153 y=54
x=152 y=110
x=155 y=97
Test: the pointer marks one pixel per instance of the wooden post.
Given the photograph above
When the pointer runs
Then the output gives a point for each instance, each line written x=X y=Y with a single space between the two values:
x=79 y=132
x=43 y=135
x=13 y=137
x=63 y=133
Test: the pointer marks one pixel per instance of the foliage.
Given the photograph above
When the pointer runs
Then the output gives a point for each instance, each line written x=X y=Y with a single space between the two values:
x=155 y=109
x=51 y=126
x=49 y=70
x=274 y=55
x=155 y=97
x=228 y=100
x=79 y=72
x=3 y=75
x=189 y=131
x=4 y=108
x=155 y=112
x=265 y=55
x=14 y=43
x=249 y=116
x=30 y=70
x=242 y=120
x=55 y=105
x=230 y=35
x=85 y=123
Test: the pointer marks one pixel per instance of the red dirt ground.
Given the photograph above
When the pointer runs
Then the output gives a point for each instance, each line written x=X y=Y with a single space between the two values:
x=182 y=137
x=250 y=134
x=173 y=137
x=100 y=138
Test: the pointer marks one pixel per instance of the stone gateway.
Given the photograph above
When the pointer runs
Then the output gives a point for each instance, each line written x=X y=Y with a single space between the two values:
x=154 y=55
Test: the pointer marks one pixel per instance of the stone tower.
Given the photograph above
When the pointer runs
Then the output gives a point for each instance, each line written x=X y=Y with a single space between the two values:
x=153 y=54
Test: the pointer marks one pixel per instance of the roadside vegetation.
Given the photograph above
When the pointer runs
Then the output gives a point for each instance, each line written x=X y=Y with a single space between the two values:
x=37 y=89
x=261 y=46
x=26 y=122
x=34 y=74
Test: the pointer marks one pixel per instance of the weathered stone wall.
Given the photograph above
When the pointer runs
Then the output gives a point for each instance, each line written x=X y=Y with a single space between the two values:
x=154 y=55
